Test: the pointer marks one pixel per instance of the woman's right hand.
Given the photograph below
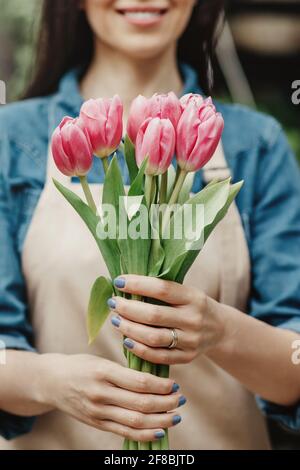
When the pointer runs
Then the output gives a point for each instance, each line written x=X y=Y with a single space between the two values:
x=110 y=397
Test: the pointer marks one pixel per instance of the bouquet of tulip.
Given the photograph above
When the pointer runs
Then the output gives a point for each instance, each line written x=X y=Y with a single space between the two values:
x=152 y=226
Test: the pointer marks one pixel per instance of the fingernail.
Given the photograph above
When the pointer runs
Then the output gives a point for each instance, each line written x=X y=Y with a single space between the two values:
x=159 y=434
x=116 y=321
x=128 y=343
x=111 y=303
x=176 y=419
x=119 y=282
x=175 y=388
x=182 y=401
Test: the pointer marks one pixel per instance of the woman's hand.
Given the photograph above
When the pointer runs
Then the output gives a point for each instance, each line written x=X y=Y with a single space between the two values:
x=110 y=397
x=198 y=321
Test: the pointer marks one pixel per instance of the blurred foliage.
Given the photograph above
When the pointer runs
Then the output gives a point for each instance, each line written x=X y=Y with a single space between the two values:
x=18 y=25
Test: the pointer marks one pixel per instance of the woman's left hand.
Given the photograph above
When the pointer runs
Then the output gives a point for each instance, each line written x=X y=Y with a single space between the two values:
x=197 y=319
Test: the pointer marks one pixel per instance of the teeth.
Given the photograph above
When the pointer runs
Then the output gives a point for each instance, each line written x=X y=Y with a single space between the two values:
x=142 y=14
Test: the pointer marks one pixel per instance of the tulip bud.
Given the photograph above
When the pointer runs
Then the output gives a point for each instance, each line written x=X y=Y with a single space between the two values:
x=138 y=113
x=102 y=119
x=165 y=107
x=198 y=134
x=162 y=106
x=185 y=100
x=155 y=140
x=71 y=148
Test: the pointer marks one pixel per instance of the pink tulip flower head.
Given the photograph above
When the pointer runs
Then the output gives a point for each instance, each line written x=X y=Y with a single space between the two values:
x=198 y=134
x=163 y=106
x=138 y=113
x=71 y=148
x=103 y=121
x=185 y=100
x=155 y=140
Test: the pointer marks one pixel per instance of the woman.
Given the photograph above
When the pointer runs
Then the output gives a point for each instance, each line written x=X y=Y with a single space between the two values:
x=66 y=395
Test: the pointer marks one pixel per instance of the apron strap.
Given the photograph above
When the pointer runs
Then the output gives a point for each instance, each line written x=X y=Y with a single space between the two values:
x=235 y=260
x=217 y=167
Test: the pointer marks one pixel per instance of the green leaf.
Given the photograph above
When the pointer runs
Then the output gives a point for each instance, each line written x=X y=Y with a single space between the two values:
x=129 y=151
x=137 y=186
x=192 y=254
x=156 y=258
x=135 y=251
x=108 y=247
x=171 y=180
x=98 y=309
x=113 y=187
x=213 y=198
x=186 y=189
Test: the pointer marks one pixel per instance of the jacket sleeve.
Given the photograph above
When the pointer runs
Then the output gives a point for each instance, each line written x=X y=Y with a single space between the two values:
x=15 y=331
x=275 y=251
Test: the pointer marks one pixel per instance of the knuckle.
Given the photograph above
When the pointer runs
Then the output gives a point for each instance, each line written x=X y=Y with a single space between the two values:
x=194 y=341
x=103 y=370
x=154 y=339
x=145 y=404
x=142 y=382
x=136 y=420
x=196 y=321
x=164 y=357
x=155 y=314
x=163 y=289
x=201 y=300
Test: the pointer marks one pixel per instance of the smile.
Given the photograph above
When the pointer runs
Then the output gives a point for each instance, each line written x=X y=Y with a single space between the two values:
x=144 y=16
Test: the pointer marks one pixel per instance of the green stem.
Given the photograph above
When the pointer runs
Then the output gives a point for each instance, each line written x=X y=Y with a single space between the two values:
x=87 y=193
x=133 y=445
x=163 y=188
x=148 y=189
x=126 y=444
x=105 y=164
x=147 y=367
x=177 y=187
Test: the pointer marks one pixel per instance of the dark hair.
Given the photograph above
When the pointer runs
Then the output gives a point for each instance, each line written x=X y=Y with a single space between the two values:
x=65 y=41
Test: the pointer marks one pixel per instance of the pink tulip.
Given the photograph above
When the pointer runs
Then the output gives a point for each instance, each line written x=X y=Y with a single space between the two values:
x=165 y=107
x=71 y=148
x=198 y=135
x=162 y=106
x=102 y=119
x=185 y=100
x=155 y=140
x=138 y=113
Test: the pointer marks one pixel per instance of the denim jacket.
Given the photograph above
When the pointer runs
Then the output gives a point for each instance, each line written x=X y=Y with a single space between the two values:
x=256 y=150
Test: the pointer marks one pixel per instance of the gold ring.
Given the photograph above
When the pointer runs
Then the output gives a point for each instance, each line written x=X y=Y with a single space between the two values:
x=174 y=341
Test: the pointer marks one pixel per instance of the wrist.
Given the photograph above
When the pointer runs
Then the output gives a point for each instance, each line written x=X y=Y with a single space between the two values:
x=48 y=380
x=227 y=326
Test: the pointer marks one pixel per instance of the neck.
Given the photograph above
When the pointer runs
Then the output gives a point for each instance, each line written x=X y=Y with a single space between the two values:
x=111 y=72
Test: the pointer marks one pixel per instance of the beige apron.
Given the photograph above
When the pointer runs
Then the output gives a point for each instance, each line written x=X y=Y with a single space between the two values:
x=61 y=262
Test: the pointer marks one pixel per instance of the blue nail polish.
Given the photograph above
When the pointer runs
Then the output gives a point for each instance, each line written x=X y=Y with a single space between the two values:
x=182 y=401
x=119 y=282
x=176 y=419
x=159 y=434
x=128 y=343
x=116 y=321
x=111 y=303
x=175 y=388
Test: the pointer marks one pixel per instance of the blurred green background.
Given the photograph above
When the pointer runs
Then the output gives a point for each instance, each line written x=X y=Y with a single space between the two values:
x=264 y=41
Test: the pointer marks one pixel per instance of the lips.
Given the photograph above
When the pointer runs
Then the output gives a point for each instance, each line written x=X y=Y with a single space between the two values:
x=143 y=14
